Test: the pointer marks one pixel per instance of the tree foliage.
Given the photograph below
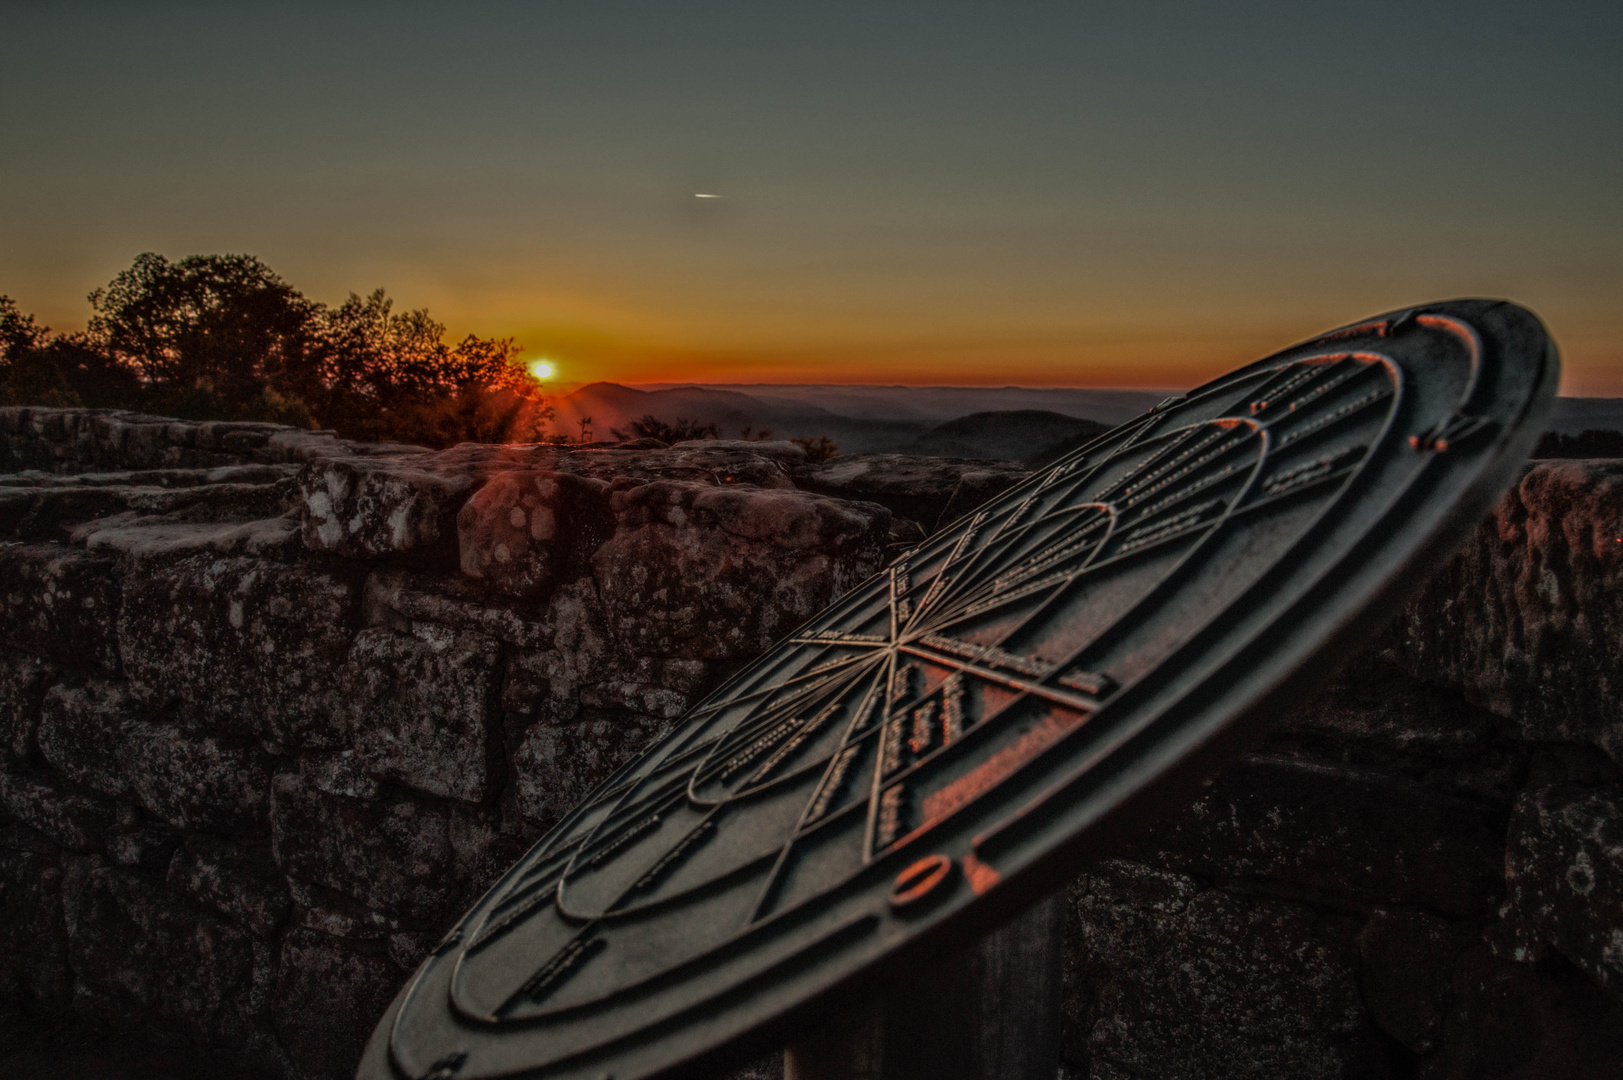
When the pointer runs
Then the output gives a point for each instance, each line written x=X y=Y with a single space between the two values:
x=224 y=337
x=648 y=426
x=208 y=333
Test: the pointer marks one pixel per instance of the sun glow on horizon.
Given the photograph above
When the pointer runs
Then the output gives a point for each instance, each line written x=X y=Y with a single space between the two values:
x=542 y=370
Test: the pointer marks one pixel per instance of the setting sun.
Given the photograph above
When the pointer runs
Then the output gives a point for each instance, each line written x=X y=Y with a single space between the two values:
x=542 y=370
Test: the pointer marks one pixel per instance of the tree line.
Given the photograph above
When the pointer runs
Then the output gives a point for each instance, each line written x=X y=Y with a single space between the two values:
x=223 y=337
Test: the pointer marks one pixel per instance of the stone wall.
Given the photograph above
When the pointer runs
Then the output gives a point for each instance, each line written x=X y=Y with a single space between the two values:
x=275 y=707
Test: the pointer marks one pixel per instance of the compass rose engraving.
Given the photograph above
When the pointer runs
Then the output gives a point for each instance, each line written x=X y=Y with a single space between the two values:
x=944 y=678
x=888 y=747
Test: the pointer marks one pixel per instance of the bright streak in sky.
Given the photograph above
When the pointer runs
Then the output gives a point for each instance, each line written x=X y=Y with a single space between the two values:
x=700 y=195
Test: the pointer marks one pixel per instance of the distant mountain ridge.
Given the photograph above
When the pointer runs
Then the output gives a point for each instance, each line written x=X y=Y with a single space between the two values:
x=997 y=422
x=1011 y=435
x=862 y=419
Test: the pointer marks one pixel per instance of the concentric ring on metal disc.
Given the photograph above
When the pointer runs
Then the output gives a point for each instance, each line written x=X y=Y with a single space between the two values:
x=958 y=727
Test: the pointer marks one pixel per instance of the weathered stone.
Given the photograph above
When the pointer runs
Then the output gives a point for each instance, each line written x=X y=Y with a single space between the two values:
x=145 y=847
x=713 y=573
x=250 y=645
x=137 y=537
x=1564 y=868
x=524 y=531
x=398 y=599
x=328 y=997
x=94 y=735
x=23 y=682
x=128 y=939
x=1171 y=980
x=1408 y=967
x=339 y=773
x=243 y=884
x=1375 y=716
x=74 y=820
x=928 y=490
x=1517 y=1022
x=394 y=854
x=49 y=514
x=59 y=603
x=34 y=971
x=707 y=461
x=422 y=707
x=366 y=508
x=82 y=732
x=1351 y=838
x=1525 y=618
x=326 y=911
x=557 y=764
x=782 y=451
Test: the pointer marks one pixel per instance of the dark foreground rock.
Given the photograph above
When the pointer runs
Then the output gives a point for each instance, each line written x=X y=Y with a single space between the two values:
x=274 y=708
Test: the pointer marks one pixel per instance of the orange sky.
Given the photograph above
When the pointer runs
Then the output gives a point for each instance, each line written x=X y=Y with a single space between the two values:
x=954 y=193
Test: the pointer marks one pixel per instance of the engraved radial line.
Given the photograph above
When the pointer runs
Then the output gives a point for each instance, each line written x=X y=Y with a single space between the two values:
x=774 y=874
x=877 y=780
x=1144 y=603
x=1026 y=684
x=767 y=691
x=763 y=728
x=1020 y=585
x=945 y=592
x=1062 y=587
x=755 y=724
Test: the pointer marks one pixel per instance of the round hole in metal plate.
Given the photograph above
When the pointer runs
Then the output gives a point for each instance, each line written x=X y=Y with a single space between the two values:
x=919 y=880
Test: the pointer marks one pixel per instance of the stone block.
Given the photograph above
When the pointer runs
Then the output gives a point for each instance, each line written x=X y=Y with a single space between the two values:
x=1564 y=869
x=82 y=734
x=248 y=645
x=95 y=735
x=34 y=974
x=1524 y=619
x=59 y=603
x=146 y=847
x=135 y=537
x=1348 y=837
x=241 y=883
x=557 y=763
x=77 y=821
x=928 y=490
x=329 y=995
x=523 y=532
x=23 y=682
x=49 y=514
x=392 y=854
x=366 y=508
x=399 y=598
x=1171 y=980
x=713 y=573
x=129 y=939
x=1512 y=1021
x=422 y=709
x=1408 y=967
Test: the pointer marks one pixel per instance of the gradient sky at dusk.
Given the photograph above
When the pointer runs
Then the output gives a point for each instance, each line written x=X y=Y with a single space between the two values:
x=1131 y=194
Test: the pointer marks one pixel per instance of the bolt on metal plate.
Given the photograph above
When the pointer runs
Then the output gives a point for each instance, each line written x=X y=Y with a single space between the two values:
x=922 y=759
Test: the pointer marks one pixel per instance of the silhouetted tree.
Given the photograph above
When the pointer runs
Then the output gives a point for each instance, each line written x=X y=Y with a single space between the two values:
x=385 y=375
x=63 y=371
x=819 y=448
x=648 y=426
x=223 y=337
x=209 y=335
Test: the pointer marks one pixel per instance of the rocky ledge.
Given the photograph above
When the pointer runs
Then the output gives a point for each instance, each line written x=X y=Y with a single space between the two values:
x=274 y=707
